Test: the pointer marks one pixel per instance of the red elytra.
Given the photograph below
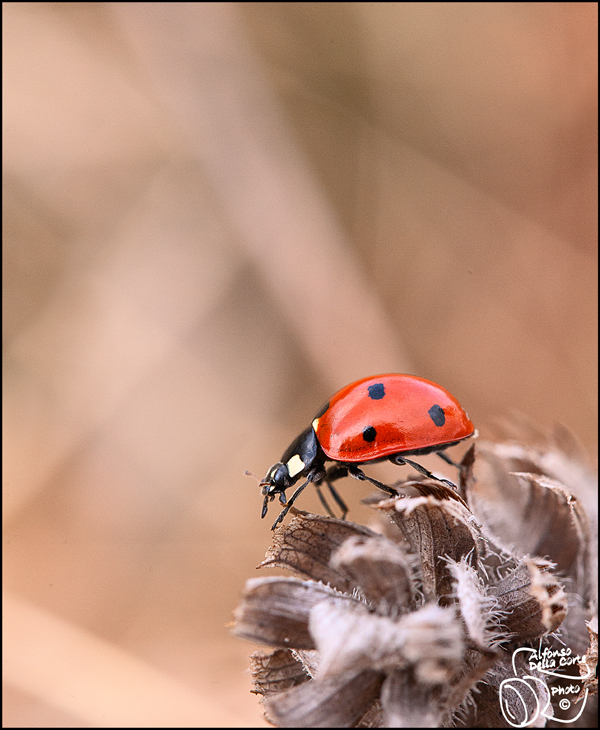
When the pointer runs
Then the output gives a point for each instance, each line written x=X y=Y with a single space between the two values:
x=390 y=414
x=381 y=417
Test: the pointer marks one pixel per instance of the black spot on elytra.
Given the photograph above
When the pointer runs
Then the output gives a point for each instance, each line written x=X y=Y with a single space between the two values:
x=322 y=410
x=437 y=415
x=369 y=434
x=376 y=391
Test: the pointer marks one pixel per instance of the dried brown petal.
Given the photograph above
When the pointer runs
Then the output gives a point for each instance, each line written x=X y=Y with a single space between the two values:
x=558 y=454
x=307 y=544
x=524 y=507
x=435 y=529
x=550 y=511
x=309 y=658
x=350 y=637
x=423 y=487
x=337 y=701
x=562 y=440
x=520 y=428
x=466 y=476
x=573 y=630
x=276 y=672
x=476 y=607
x=549 y=593
x=495 y=495
x=409 y=703
x=532 y=600
x=275 y=611
x=588 y=666
x=433 y=642
x=381 y=570
x=373 y=717
x=475 y=665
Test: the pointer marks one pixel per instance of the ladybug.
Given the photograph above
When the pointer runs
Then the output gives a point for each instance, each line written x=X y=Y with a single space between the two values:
x=373 y=419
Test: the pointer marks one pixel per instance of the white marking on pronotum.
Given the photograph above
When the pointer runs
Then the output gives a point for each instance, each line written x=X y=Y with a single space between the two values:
x=315 y=423
x=295 y=465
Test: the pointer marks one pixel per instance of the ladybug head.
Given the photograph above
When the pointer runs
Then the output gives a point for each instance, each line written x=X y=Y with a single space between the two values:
x=276 y=481
x=300 y=459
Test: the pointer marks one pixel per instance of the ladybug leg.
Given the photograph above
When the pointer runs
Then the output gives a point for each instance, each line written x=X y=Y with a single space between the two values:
x=265 y=506
x=269 y=497
x=460 y=467
x=335 y=472
x=290 y=502
x=315 y=475
x=338 y=498
x=361 y=476
x=400 y=460
x=444 y=456
x=323 y=500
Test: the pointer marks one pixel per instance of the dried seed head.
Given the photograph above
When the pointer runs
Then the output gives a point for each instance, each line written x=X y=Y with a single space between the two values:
x=419 y=626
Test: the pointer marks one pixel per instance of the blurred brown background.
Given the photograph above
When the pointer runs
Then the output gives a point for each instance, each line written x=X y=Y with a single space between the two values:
x=215 y=215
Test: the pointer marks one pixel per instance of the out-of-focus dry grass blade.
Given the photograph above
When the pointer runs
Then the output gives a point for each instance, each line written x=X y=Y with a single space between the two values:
x=94 y=679
x=213 y=83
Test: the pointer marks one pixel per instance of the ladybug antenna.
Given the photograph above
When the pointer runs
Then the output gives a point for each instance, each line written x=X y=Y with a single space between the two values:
x=251 y=474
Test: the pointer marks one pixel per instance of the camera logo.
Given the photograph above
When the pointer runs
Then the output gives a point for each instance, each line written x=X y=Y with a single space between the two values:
x=520 y=702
